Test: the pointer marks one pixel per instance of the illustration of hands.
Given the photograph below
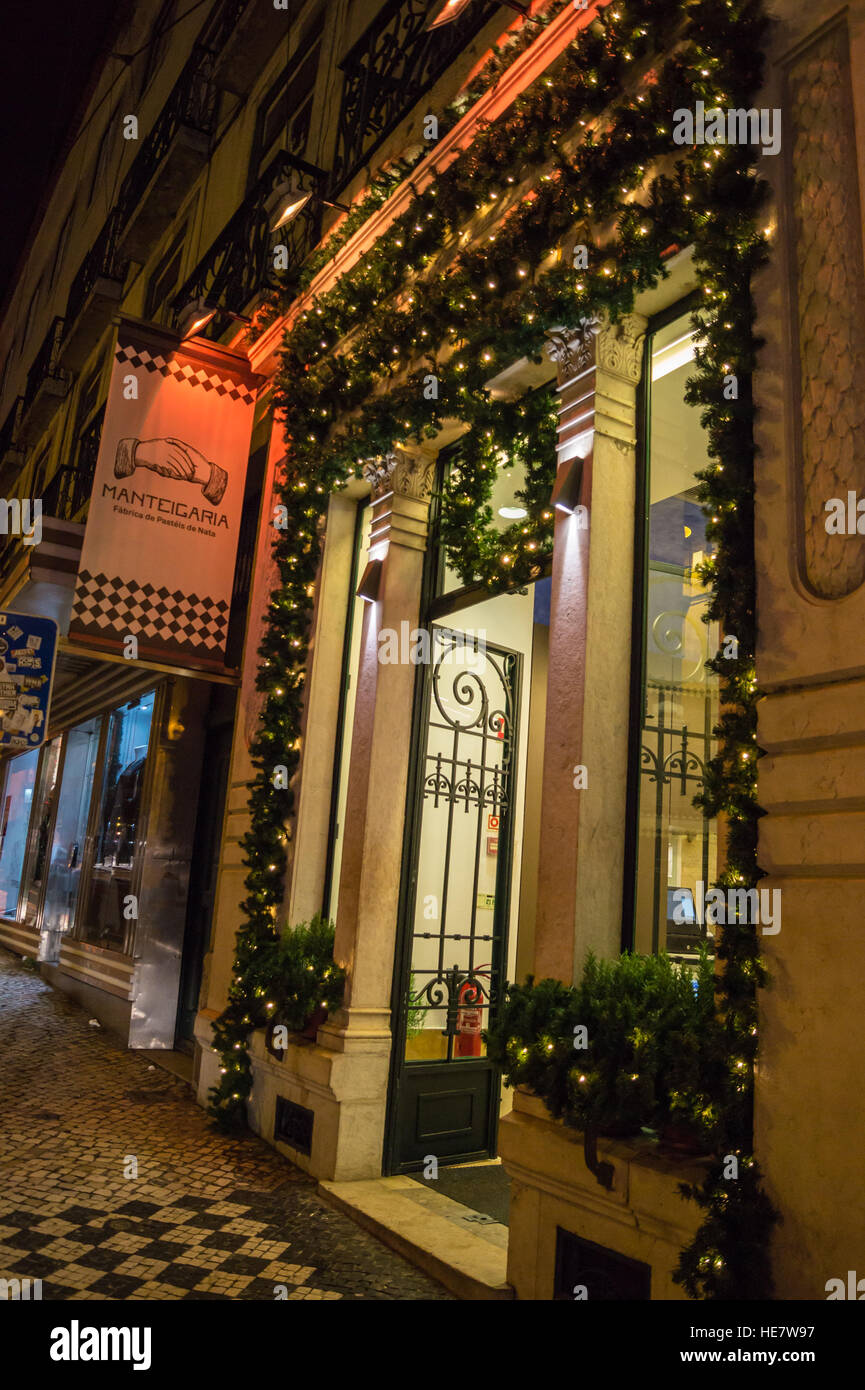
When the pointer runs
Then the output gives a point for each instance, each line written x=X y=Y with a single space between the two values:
x=171 y=458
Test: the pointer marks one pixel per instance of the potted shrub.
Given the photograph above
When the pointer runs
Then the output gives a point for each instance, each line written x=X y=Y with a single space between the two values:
x=299 y=977
x=649 y=1038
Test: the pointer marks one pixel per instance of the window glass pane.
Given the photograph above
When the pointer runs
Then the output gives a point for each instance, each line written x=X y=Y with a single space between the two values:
x=677 y=855
x=117 y=824
x=39 y=830
x=506 y=508
x=357 y=610
x=17 y=800
x=70 y=827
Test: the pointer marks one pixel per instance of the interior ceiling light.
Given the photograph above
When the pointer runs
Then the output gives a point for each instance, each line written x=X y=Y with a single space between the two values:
x=674 y=355
x=513 y=513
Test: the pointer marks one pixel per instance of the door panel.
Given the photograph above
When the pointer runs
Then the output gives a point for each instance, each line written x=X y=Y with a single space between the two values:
x=455 y=928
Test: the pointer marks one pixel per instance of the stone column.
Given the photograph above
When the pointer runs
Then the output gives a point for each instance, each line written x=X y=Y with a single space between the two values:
x=581 y=839
x=381 y=738
x=346 y=1081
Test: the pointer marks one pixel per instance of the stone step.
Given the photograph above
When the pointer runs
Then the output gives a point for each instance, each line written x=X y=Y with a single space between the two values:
x=431 y=1231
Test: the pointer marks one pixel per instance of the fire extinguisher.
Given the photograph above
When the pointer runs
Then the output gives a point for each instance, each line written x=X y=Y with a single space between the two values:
x=469 y=1020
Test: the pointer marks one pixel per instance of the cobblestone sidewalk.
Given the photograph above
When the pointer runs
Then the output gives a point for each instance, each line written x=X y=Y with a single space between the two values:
x=207 y=1217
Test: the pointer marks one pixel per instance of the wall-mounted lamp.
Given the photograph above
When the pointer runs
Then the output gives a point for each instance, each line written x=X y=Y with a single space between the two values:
x=198 y=314
x=370 y=582
x=449 y=10
x=288 y=199
x=566 y=491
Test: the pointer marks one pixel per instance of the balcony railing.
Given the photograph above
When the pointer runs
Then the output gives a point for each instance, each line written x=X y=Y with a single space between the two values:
x=11 y=426
x=239 y=265
x=388 y=70
x=243 y=36
x=46 y=363
x=101 y=262
x=69 y=490
x=191 y=105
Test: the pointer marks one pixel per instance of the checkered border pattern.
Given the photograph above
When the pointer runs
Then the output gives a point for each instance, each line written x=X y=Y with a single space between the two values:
x=168 y=366
x=192 y=1248
x=125 y=606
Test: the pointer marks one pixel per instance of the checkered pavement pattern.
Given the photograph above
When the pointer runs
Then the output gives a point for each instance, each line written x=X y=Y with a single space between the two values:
x=187 y=621
x=193 y=376
x=208 y=1217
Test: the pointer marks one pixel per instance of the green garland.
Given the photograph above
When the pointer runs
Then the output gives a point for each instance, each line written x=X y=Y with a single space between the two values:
x=456 y=289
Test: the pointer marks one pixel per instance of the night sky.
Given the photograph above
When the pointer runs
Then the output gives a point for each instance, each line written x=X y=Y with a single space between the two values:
x=47 y=52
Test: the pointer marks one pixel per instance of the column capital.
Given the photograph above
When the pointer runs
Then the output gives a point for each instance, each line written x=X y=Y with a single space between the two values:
x=406 y=471
x=620 y=347
x=573 y=349
x=401 y=483
x=615 y=348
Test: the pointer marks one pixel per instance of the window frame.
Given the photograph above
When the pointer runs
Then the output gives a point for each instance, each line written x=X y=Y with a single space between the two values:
x=76 y=934
x=678 y=309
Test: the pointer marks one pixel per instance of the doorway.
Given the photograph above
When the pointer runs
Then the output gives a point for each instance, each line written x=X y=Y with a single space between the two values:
x=205 y=861
x=467 y=835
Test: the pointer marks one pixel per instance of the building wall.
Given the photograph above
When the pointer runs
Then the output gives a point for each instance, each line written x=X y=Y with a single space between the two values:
x=811 y=653
x=810 y=389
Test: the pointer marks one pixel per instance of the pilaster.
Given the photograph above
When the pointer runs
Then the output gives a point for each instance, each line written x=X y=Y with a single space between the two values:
x=590 y=649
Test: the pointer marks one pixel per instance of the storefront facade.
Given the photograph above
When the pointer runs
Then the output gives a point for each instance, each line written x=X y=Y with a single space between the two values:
x=97 y=852
x=488 y=779
x=513 y=787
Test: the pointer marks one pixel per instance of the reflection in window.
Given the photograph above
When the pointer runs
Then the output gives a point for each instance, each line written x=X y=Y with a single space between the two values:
x=352 y=667
x=17 y=800
x=677 y=851
x=117 y=824
x=39 y=831
x=504 y=504
x=70 y=827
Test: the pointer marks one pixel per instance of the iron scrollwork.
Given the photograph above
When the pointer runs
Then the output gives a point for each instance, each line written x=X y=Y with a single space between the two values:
x=390 y=67
x=239 y=265
x=470 y=752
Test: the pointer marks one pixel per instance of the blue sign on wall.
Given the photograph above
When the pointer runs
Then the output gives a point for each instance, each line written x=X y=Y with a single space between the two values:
x=27 y=649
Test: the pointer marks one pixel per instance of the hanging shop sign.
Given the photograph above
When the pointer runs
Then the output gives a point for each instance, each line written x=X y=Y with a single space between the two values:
x=159 y=552
x=28 y=647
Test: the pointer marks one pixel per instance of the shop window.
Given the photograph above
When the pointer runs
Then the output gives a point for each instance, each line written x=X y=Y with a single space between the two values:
x=40 y=830
x=70 y=827
x=17 y=802
x=108 y=915
x=351 y=665
x=676 y=847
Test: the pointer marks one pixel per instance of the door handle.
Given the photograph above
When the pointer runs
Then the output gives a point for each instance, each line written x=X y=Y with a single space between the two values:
x=73 y=857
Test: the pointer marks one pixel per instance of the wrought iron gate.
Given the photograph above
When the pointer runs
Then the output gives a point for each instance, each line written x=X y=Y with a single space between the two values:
x=445 y=1093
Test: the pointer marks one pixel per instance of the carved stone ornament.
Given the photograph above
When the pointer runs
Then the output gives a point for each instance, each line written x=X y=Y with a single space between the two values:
x=830 y=307
x=573 y=349
x=403 y=472
x=620 y=347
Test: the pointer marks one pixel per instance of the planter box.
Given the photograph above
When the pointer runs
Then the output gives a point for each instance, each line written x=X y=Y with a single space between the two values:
x=642 y=1217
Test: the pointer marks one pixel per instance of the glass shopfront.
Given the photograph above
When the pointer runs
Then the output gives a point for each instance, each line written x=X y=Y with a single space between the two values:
x=106 y=914
x=41 y=822
x=72 y=821
x=17 y=803
x=70 y=827
x=677 y=848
